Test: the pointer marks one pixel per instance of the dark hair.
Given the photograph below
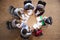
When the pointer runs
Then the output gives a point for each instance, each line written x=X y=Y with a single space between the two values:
x=25 y=2
x=49 y=19
x=42 y=2
x=30 y=7
x=11 y=7
x=24 y=31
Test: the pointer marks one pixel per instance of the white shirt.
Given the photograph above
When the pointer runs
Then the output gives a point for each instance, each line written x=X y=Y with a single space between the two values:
x=24 y=26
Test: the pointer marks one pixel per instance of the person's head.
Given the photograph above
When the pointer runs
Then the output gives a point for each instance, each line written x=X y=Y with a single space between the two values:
x=27 y=1
x=40 y=6
x=24 y=31
x=49 y=20
x=42 y=2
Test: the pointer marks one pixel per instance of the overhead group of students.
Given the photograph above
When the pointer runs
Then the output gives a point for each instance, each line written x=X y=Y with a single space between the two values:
x=18 y=14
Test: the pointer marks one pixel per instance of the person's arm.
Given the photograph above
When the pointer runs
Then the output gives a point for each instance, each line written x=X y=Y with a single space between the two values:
x=27 y=1
x=29 y=33
x=21 y=25
x=13 y=23
x=18 y=26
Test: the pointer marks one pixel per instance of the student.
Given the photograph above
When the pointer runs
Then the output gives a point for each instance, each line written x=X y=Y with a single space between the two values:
x=39 y=23
x=28 y=6
x=37 y=29
x=40 y=8
x=37 y=32
x=25 y=31
x=13 y=24
x=42 y=2
x=11 y=10
x=16 y=12
x=42 y=21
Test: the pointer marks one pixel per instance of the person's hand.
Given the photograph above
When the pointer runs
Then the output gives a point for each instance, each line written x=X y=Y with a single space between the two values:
x=18 y=26
x=32 y=29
